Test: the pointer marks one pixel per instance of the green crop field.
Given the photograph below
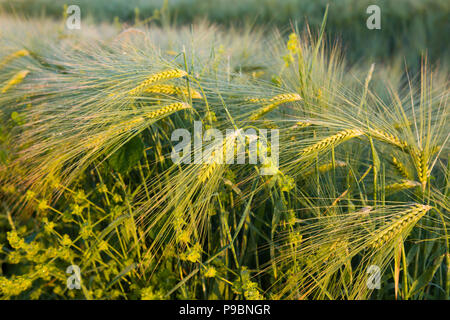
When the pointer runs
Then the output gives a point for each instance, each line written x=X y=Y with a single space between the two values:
x=249 y=150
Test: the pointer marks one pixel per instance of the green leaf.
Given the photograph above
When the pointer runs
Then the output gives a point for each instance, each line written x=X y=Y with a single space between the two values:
x=127 y=156
x=121 y=274
x=426 y=277
x=3 y=156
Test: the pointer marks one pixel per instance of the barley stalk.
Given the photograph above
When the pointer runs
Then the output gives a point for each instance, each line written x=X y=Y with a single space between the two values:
x=300 y=125
x=168 y=109
x=407 y=219
x=208 y=168
x=157 y=77
x=172 y=90
x=12 y=56
x=400 y=168
x=116 y=130
x=15 y=80
x=387 y=137
x=332 y=141
x=256 y=100
x=404 y=184
x=276 y=101
x=326 y=167
x=207 y=171
x=421 y=161
x=131 y=124
x=270 y=124
x=128 y=125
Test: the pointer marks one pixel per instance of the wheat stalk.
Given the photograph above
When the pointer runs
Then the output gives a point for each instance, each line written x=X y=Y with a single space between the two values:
x=15 y=80
x=157 y=77
x=276 y=101
x=407 y=219
x=12 y=56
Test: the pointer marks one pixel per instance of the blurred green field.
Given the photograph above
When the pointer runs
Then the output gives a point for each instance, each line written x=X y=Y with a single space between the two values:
x=409 y=27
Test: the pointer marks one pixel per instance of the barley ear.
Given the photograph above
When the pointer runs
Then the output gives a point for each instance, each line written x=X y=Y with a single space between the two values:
x=387 y=137
x=15 y=80
x=276 y=101
x=158 y=77
x=332 y=141
x=167 y=109
x=400 y=167
x=12 y=56
x=399 y=225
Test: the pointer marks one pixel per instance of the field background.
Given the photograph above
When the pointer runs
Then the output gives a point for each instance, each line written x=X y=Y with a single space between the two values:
x=409 y=27
x=86 y=176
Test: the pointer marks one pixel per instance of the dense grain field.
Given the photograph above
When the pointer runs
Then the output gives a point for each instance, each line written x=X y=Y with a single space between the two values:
x=352 y=176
